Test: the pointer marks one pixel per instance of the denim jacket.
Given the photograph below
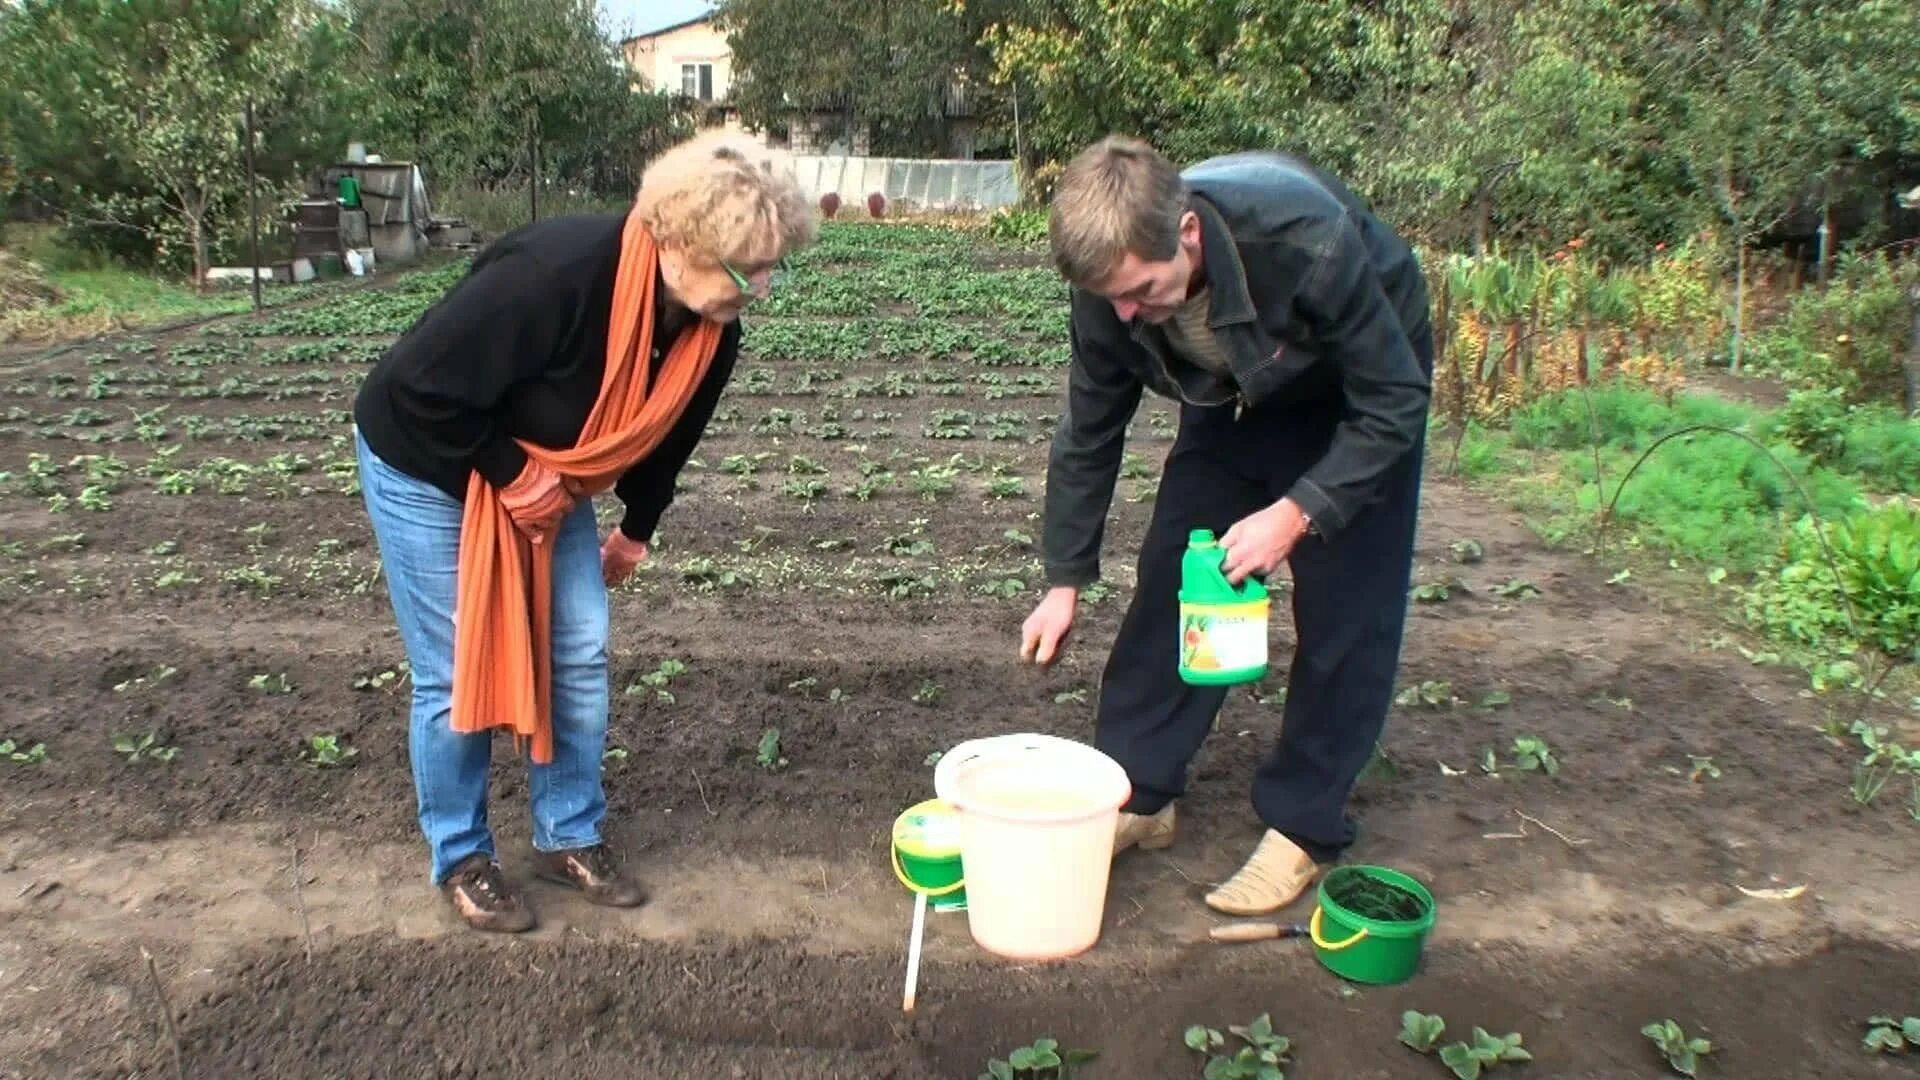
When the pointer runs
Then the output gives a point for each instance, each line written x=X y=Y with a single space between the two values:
x=1315 y=302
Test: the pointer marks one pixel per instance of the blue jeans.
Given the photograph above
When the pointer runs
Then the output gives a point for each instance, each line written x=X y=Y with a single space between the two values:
x=417 y=527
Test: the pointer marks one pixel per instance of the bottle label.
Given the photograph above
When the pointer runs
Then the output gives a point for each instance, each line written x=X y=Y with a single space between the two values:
x=1223 y=637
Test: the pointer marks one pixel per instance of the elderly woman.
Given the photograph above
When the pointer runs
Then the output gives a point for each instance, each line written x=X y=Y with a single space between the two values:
x=578 y=354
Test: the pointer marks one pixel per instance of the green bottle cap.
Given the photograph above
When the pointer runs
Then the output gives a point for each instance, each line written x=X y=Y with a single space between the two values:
x=1200 y=538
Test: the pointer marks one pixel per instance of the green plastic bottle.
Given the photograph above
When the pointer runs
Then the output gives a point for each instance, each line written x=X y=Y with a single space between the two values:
x=1223 y=629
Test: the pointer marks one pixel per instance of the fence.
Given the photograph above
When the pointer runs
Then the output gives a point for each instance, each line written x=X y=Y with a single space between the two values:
x=928 y=184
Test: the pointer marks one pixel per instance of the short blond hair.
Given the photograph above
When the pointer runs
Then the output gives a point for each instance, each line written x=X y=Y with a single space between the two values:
x=723 y=196
x=1117 y=196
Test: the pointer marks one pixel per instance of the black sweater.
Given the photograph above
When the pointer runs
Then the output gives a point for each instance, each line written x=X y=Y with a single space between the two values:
x=516 y=349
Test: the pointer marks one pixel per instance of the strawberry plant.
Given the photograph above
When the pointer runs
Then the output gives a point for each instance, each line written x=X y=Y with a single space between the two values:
x=1041 y=1061
x=1259 y=1059
x=1683 y=1054
x=1467 y=1060
x=146 y=747
x=768 y=753
x=20 y=754
x=1885 y=1035
x=327 y=752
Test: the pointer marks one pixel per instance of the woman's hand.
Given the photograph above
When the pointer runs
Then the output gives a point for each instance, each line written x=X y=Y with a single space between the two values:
x=619 y=555
x=537 y=500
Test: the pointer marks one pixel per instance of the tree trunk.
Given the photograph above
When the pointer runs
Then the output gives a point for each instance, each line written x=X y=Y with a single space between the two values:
x=1580 y=376
x=1912 y=363
x=1739 y=299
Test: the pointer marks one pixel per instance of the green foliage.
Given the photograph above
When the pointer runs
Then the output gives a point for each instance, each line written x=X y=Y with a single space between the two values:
x=1877 y=553
x=1260 y=1058
x=1886 y=1035
x=887 y=67
x=471 y=87
x=129 y=115
x=1041 y=1061
x=1849 y=338
x=1421 y=1030
x=1467 y=1060
x=1683 y=1054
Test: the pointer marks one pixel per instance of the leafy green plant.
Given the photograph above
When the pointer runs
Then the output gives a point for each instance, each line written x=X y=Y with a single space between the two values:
x=768 y=753
x=1041 y=1061
x=1265 y=1050
x=657 y=681
x=271 y=683
x=1421 y=1032
x=1683 y=1054
x=327 y=752
x=928 y=693
x=22 y=755
x=1430 y=693
x=145 y=747
x=1531 y=753
x=1886 y=1035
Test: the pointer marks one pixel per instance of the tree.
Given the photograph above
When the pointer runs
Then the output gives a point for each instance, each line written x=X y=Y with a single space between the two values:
x=886 y=65
x=129 y=114
x=476 y=87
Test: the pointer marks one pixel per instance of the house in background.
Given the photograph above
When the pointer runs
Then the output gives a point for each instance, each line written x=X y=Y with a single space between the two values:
x=692 y=58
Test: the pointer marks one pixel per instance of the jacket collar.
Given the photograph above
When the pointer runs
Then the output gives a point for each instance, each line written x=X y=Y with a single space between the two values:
x=1231 y=302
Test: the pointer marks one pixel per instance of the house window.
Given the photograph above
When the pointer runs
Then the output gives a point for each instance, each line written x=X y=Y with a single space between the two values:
x=696 y=81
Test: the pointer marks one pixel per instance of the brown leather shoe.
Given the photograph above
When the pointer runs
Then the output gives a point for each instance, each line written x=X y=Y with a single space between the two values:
x=1274 y=876
x=1149 y=832
x=481 y=895
x=593 y=871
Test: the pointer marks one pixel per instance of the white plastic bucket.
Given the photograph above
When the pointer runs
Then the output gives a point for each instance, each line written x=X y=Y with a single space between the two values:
x=1037 y=816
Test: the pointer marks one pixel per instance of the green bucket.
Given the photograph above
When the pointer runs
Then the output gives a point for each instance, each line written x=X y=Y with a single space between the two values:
x=1366 y=950
x=926 y=854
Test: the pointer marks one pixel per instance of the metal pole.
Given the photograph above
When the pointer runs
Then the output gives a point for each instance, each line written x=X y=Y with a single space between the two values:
x=253 y=209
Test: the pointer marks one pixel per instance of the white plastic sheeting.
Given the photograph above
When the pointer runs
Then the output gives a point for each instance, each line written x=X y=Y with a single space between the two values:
x=929 y=184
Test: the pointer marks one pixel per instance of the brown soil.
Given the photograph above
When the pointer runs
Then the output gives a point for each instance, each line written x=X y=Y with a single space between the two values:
x=1573 y=908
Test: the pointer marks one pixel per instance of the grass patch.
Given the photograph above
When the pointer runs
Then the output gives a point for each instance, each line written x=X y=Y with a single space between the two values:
x=1706 y=496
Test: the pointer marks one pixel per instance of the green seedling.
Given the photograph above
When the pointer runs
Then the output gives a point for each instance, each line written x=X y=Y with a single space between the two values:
x=1467 y=551
x=379 y=680
x=657 y=680
x=1431 y=694
x=1885 y=1035
x=615 y=754
x=326 y=752
x=1683 y=1054
x=1421 y=1031
x=768 y=752
x=1260 y=1059
x=22 y=755
x=138 y=748
x=1071 y=697
x=1517 y=589
x=1041 y=1061
x=1703 y=769
x=1432 y=592
x=157 y=675
x=1532 y=754
x=928 y=694
x=1495 y=699
x=270 y=684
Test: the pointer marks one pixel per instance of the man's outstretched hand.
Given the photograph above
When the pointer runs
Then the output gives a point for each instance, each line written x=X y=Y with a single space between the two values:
x=1261 y=541
x=1046 y=629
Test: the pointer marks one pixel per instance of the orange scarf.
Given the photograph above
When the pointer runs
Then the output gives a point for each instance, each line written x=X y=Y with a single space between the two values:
x=502 y=659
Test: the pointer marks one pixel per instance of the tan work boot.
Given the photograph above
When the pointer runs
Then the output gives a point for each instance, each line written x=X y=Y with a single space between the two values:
x=1272 y=878
x=1150 y=831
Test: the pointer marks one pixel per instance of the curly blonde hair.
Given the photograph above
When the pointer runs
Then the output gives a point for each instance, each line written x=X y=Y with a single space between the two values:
x=723 y=196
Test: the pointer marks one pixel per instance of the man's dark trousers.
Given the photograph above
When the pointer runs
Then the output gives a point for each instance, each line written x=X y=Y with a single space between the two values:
x=1349 y=601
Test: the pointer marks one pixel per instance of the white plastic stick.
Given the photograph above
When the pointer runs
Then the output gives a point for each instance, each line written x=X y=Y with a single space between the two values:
x=913 y=948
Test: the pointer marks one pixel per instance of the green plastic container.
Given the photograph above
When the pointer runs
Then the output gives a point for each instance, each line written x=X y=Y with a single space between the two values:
x=1365 y=950
x=926 y=854
x=350 y=192
x=1223 y=629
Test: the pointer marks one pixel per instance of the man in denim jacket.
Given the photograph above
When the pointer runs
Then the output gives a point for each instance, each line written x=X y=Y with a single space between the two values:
x=1293 y=328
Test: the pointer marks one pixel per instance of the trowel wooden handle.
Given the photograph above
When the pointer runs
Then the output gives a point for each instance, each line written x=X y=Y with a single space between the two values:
x=1254 y=931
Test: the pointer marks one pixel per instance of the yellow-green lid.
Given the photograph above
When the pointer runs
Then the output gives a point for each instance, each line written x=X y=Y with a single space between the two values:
x=928 y=830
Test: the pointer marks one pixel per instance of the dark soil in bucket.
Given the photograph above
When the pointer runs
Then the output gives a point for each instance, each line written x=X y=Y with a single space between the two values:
x=1372 y=898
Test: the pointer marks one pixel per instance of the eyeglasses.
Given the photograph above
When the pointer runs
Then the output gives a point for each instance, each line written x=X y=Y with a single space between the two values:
x=743 y=282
